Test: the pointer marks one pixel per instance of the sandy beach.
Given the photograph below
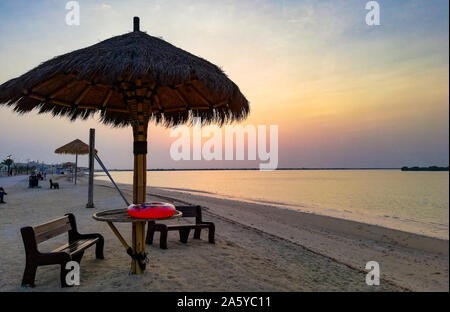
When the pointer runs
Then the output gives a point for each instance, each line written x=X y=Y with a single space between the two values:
x=258 y=247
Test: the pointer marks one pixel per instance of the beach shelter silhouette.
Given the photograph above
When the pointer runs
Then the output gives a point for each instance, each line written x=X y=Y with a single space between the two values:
x=76 y=147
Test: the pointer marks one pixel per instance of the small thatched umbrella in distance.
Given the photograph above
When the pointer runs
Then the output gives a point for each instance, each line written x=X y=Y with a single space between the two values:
x=76 y=147
x=130 y=79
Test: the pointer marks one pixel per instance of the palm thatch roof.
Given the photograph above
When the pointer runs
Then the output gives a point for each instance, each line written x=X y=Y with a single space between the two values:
x=173 y=84
x=75 y=147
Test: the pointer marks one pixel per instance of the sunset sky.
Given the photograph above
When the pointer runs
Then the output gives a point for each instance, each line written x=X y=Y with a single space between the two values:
x=343 y=94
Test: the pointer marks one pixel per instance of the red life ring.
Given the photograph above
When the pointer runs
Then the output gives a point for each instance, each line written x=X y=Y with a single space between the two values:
x=151 y=210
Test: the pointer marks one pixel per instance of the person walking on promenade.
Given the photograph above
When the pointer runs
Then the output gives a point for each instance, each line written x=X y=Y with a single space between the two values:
x=2 y=194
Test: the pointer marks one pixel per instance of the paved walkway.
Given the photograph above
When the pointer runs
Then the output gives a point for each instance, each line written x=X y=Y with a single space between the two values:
x=6 y=182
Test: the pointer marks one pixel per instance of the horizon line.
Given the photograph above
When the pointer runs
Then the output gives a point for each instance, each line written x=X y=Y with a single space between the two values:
x=288 y=168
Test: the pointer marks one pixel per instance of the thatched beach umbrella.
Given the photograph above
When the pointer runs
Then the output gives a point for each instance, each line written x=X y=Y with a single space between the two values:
x=130 y=80
x=76 y=147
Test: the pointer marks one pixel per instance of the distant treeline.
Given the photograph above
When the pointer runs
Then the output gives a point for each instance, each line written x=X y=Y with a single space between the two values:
x=431 y=168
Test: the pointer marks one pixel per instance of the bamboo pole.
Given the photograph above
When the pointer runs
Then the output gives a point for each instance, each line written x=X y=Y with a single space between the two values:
x=139 y=178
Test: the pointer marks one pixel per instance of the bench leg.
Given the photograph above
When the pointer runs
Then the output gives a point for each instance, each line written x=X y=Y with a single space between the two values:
x=211 y=232
x=78 y=257
x=163 y=238
x=197 y=233
x=184 y=234
x=99 y=248
x=150 y=234
x=29 y=275
x=63 y=275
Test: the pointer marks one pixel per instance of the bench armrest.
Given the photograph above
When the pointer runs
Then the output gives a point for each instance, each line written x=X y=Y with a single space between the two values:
x=86 y=236
x=73 y=233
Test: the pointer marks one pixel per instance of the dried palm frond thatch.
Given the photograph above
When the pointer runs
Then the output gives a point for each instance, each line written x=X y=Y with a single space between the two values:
x=172 y=84
x=75 y=147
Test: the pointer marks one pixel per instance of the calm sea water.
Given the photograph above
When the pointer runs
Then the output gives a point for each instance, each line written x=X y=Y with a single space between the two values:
x=411 y=201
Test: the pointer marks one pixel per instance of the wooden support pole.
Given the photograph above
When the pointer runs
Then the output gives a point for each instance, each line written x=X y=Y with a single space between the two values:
x=108 y=96
x=61 y=89
x=201 y=96
x=140 y=125
x=136 y=23
x=82 y=95
x=76 y=168
x=118 y=235
x=90 y=203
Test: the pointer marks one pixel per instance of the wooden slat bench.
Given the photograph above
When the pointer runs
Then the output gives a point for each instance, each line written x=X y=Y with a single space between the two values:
x=188 y=212
x=72 y=251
